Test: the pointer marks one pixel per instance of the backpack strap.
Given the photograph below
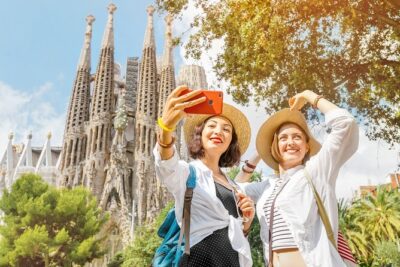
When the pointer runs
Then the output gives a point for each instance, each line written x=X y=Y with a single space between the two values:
x=190 y=185
x=321 y=210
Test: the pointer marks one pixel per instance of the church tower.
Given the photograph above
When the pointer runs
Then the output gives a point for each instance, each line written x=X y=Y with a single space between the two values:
x=167 y=80
x=145 y=136
x=102 y=108
x=74 y=143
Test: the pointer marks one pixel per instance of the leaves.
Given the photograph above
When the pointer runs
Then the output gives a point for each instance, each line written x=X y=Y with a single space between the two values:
x=370 y=222
x=349 y=51
x=48 y=226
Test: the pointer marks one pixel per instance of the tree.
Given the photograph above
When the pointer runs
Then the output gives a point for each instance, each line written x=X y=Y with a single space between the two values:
x=348 y=51
x=145 y=243
x=372 y=225
x=45 y=226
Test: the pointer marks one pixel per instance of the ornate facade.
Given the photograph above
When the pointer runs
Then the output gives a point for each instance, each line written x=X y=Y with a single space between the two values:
x=109 y=135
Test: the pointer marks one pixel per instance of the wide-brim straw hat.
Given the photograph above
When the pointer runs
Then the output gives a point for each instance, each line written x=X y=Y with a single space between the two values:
x=267 y=130
x=234 y=115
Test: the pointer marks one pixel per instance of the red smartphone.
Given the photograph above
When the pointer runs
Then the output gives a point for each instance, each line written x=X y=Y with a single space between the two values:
x=212 y=104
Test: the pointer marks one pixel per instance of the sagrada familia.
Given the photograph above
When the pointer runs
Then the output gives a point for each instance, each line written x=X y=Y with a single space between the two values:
x=110 y=132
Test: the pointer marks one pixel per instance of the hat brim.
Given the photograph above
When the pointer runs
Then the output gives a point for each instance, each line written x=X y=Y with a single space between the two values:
x=234 y=115
x=267 y=130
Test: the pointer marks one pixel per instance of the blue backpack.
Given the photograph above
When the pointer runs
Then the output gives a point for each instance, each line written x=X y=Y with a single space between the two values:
x=169 y=253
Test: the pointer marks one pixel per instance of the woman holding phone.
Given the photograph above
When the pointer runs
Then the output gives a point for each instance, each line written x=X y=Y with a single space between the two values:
x=292 y=230
x=217 y=230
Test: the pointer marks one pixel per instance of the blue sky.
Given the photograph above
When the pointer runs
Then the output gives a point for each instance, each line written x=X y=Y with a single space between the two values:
x=42 y=39
x=40 y=44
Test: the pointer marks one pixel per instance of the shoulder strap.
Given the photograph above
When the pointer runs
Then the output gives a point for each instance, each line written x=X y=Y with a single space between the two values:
x=321 y=210
x=190 y=185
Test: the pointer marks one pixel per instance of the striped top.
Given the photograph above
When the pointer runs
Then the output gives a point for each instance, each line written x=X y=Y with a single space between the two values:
x=281 y=236
x=344 y=250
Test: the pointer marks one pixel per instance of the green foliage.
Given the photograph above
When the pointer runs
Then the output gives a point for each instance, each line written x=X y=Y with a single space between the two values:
x=145 y=243
x=256 y=244
x=346 y=50
x=45 y=226
x=387 y=253
x=233 y=171
x=372 y=225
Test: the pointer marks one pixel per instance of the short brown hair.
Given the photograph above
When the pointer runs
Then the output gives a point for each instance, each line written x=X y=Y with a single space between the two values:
x=229 y=158
x=275 y=147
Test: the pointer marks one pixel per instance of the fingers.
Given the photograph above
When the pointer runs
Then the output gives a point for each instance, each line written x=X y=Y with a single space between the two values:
x=191 y=103
x=178 y=90
x=190 y=95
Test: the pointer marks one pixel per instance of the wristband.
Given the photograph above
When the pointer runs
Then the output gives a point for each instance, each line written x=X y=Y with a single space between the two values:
x=316 y=100
x=165 y=145
x=246 y=170
x=249 y=165
x=163 y=126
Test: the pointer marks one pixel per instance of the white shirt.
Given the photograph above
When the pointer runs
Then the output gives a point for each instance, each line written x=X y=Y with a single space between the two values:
x=208 y=214
x=296 y=201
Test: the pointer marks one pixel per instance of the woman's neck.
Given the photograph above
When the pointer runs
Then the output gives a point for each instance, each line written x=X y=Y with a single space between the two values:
x=211 y=163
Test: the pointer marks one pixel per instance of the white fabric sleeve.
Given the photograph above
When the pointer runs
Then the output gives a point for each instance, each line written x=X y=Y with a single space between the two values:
x=173 y=173
x=340 y=144
x=254 y=189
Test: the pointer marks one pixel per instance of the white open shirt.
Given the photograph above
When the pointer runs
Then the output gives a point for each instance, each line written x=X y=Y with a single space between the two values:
x=208 y=214
x=296 y=201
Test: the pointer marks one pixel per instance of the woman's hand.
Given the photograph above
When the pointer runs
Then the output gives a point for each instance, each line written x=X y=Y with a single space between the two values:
x=176 y=103
x=298 y=101
x=246 y=205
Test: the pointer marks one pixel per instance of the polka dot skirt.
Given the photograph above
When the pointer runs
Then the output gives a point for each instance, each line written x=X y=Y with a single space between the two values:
x=216 y=249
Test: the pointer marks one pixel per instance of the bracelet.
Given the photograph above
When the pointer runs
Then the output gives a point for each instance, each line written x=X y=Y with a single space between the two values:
x=246 y=170
x=165 y=145
x=316 y=100
x=246 y=232
x=249 y=165
x=163 y=126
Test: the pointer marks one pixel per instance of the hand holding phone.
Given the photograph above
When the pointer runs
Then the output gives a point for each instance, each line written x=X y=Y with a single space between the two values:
x=212 y=105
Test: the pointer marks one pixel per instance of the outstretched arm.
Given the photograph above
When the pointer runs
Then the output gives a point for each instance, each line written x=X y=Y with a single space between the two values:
x=173 y=112
x=299 y=100
x=247 y=169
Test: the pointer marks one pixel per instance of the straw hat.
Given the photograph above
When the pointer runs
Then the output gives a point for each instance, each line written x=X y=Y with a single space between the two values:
x=235 y=116
x=267 y=130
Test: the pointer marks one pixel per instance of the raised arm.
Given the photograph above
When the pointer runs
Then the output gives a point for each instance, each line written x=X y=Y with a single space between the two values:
x=247 y=169
x=307 y=96
x=173 y=112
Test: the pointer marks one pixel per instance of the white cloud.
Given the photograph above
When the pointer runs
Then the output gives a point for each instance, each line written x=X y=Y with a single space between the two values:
x=370 y=165
x=22 y=112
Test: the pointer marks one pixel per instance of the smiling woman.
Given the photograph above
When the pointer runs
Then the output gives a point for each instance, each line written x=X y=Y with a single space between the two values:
x=217 y=229
x=296 y=232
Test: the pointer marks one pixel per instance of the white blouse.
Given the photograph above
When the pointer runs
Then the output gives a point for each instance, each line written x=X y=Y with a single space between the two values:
x=208 y=214
x=296 y=201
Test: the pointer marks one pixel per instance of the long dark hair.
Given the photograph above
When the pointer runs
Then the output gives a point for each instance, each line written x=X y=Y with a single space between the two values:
x=229 y=158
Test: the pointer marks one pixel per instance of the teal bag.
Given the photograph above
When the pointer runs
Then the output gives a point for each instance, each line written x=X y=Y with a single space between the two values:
x=169 y=253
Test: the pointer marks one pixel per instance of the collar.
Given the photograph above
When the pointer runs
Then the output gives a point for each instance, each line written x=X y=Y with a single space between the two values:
x=199 y=164
x=289 y=172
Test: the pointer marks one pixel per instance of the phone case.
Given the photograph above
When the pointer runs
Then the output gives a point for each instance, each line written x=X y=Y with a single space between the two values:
x=212 y=105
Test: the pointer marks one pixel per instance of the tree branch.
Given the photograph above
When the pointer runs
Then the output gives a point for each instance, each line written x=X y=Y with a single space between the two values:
x=387 y=20
x=393 y=3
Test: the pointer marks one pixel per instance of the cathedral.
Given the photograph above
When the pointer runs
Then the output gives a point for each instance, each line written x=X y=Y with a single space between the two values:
x=110 y=132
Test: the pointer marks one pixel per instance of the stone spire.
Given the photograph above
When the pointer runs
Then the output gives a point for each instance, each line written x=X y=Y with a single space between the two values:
x=149 y=34
x=84 y=59
x=167 y=79
x=167 y=83
x=116 y=196
x=102 y=107
x=45 y=158
x=75 y=140
x=108 y=37
x=145 y=135
x=7 y=164
x=25 y=163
